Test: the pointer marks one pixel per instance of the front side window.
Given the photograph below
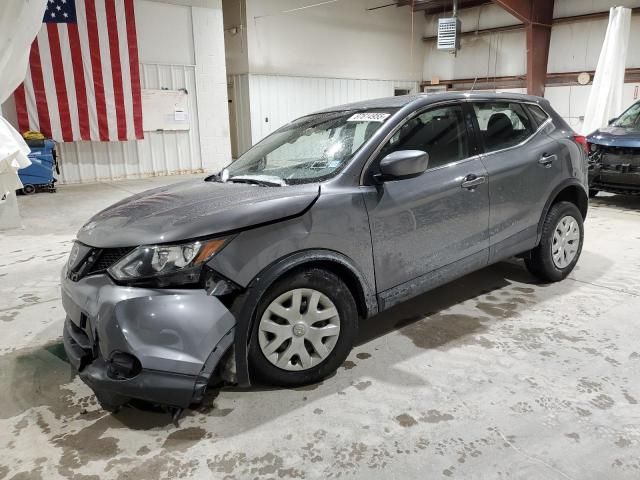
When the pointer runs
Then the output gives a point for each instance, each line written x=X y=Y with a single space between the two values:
x=310 y=149
x=441 y=132
x=630 y=118
x=502 y=124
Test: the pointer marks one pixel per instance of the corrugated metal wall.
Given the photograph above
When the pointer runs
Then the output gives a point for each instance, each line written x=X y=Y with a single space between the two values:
x=160 y=153
x=278 y=99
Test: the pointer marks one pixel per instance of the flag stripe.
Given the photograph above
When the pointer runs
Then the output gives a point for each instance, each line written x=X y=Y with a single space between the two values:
x=96 y=67
x=60 y=85
x=134 y=66
x=21 y=109
x=126 y=72
x=85 y=60
x=49 y=83
x=79 y=81
x=38 y=88
x=116 y=68
x=32 y=110
x=105 y=59
x=70 y=80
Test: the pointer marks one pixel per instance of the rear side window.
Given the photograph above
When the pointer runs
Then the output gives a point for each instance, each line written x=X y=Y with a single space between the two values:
x=441 y=132
x=502 y=124
x=539 y=115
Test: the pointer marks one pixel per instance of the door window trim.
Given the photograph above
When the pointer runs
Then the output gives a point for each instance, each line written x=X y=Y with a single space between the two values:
x=480 y=139
x=474 y=147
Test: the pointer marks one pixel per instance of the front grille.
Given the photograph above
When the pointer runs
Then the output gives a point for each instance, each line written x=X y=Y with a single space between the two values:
x=97 y=260
x=107 y=257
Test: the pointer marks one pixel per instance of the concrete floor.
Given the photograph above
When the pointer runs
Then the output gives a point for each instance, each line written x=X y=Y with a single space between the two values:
x=489 y=377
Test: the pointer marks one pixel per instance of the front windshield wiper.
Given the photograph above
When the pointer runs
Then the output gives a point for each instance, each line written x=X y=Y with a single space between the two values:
x=262 y=180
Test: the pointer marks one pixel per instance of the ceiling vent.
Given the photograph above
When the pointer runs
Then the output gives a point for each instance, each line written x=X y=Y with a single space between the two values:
x=449 y=34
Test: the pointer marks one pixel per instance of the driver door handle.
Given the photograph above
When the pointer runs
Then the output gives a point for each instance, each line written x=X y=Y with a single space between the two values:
x=471 y=181
x=547 y=160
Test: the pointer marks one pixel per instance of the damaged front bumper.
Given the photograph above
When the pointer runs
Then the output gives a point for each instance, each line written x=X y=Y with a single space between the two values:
x=615 y=170
x=158 y=345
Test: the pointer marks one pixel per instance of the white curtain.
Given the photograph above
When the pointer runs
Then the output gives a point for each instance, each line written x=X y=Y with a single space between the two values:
x=605 y=99
x=20 y=21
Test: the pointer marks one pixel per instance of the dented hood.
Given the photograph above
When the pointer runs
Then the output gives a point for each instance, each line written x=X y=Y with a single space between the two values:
x=193 y=209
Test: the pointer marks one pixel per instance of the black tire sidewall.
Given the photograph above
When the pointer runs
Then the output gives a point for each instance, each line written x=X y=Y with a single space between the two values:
x=333 y=287
x=543 y=259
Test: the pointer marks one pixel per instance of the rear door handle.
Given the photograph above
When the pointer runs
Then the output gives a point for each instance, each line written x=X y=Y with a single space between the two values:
x=471 y=181
x=547 y=160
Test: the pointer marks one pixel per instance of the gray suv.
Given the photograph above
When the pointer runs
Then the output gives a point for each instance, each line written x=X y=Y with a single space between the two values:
x=262 y=272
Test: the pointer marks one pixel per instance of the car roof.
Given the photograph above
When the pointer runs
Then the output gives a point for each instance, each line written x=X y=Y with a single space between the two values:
x=426 y=98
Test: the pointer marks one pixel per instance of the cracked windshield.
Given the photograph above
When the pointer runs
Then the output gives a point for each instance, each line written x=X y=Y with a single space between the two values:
x=310 y=149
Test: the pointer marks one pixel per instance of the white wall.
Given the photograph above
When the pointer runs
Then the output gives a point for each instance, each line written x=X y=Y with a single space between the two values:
x=285 y=61
x=339 y=40
x=164 y=33
x=277 y=99
x=571 y=101
x=211 y=79
x=574 y=47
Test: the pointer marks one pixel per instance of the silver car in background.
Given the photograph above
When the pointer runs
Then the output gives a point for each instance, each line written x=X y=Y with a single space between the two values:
x=262 y=272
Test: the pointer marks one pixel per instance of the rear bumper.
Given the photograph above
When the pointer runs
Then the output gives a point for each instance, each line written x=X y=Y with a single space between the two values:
x=177 y=338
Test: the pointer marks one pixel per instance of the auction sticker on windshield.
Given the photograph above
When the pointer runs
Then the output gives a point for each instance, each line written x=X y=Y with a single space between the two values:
x=369 y=117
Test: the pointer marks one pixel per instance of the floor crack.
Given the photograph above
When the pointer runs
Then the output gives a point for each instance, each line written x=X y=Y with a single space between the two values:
x=533 y=459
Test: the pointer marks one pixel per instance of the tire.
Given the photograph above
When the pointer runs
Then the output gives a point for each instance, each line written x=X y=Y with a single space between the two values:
x=593 y=192
x=541 y=261
x=282 y=367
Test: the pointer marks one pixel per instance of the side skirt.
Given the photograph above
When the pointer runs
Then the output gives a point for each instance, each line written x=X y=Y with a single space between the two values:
x=431 y=280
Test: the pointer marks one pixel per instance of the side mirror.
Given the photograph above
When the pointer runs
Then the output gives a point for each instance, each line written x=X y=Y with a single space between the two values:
x=403 y=164
x=611 y=120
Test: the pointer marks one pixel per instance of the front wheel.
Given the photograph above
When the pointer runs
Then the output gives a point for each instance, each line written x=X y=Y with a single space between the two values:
x=560 y=245
x=304 y=328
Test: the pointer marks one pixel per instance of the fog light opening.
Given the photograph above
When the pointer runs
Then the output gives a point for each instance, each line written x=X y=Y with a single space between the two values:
x=123 y=366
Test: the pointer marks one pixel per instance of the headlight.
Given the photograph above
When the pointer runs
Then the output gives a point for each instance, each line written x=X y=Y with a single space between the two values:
x=175 y=264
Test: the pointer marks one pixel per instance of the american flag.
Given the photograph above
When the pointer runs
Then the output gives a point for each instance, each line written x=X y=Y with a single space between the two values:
x=83 y=81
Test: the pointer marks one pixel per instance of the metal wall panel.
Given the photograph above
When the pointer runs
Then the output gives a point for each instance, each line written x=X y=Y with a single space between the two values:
x=160 y=153
x=278 y=99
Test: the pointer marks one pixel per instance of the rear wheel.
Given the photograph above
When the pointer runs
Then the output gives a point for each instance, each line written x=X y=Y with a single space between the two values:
x=304 y=328
x=561 y=243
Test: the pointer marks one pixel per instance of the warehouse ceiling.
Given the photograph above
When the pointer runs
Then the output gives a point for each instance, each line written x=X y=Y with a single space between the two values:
x=433 y=7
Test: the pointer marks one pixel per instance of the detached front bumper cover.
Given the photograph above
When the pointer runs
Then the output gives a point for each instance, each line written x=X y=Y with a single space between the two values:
x=153 y=345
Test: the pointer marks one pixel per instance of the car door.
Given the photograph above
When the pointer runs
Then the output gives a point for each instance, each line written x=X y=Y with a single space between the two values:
x=422 y=225
x=523 y=165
